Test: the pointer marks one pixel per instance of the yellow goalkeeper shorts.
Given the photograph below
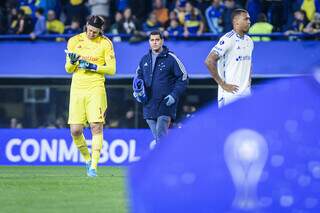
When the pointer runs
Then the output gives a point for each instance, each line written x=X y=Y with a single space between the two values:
x=87 y=106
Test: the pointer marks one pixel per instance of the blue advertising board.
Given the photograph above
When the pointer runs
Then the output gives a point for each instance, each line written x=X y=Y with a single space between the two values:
x=55 y=147
x=47 y=59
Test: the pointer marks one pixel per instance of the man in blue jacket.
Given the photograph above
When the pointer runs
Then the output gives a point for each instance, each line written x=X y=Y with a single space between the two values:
x=161 y=79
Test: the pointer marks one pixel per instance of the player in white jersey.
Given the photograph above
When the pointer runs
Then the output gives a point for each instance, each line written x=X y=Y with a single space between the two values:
x=229 y=61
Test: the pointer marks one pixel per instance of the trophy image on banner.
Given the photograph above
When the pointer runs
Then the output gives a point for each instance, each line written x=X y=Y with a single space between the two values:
x=245 y=153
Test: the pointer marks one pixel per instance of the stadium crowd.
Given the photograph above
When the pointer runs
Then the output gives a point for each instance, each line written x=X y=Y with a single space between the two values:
x=173 y=17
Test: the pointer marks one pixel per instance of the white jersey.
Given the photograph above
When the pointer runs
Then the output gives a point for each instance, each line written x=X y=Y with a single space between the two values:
x=234 y=64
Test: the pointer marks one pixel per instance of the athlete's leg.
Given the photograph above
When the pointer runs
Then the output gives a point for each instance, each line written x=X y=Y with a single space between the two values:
x=153 y=126
x=80 y=141
x=97 y=141
x=163 y=123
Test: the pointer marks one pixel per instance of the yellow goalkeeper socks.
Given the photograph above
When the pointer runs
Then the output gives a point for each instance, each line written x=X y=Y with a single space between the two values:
x=97 y=141
x=80 y=141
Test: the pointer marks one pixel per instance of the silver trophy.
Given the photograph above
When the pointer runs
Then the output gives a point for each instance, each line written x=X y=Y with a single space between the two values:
x=245 y=152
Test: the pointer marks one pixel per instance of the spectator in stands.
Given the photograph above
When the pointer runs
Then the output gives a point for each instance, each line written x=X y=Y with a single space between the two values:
x=117 y=27
x=75 y=9
x=101 y=8
x=230 y=5
x=310 y=7
x=129 y=24
x=54 y=26
x=24 y=23
x=193 y=23
x=214 y=16
x=180 y=10
x=48 y=5
x=261 y=27
x=74 y=28
x=161 y=12
x=132 y=27
x=13 y=21
x=290 y=7
x=175 y=29
x=40 y=27
x=28 y=7
x=151 y=24
x=299 y=23
x=314 y=26
x=173 y=15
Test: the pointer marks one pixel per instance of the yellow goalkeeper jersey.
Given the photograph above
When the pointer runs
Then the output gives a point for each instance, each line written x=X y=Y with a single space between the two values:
x=98 y=51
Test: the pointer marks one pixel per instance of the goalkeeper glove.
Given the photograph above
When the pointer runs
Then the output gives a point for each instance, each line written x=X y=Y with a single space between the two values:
x=87 y=66
x=139 y=92
x=73 y=57
x=170 y=100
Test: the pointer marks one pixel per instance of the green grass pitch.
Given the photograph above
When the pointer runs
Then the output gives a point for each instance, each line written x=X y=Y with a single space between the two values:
x=62 y=189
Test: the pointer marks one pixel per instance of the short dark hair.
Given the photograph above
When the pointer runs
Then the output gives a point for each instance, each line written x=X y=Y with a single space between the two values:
x=40 y=10
x=262 y=17
x=237 y=12
x=156 y=33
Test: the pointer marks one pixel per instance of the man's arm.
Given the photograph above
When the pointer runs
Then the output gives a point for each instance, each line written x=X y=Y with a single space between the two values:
x=139 y=72
x=138 y=86
x=182 y=77
x=70 y=67
x=211 y=63
x=110 y=66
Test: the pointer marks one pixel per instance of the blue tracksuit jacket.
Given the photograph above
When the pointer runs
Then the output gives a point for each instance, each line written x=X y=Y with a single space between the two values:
x=168 y=77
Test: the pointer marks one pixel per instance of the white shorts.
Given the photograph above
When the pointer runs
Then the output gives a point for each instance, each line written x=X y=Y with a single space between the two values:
x=229 y=98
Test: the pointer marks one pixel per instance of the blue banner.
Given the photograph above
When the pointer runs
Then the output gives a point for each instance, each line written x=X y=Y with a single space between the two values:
x=55 y=147
x=46 y=59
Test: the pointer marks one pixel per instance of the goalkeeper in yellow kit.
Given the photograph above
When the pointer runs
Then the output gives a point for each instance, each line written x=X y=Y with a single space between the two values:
x=90 y=56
